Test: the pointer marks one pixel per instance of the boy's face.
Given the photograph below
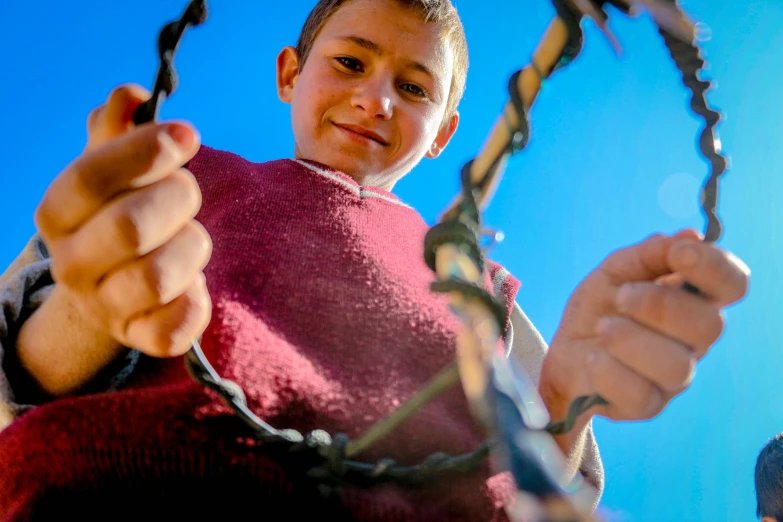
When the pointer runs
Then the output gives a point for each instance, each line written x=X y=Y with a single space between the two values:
x=372 y=94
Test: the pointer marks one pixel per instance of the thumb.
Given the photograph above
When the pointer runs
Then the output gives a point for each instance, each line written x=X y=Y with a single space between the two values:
x=115 y=117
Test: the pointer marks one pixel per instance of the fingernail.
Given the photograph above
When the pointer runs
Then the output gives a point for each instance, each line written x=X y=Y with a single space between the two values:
x=182 y=136
x=623 y=297
x=686 y=255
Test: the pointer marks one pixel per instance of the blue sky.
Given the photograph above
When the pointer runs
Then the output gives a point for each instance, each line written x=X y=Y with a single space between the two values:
x=612 y=159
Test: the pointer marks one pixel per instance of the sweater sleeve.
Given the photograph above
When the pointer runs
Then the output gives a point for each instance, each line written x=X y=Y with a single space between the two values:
x=24 y=286
x=528 y=348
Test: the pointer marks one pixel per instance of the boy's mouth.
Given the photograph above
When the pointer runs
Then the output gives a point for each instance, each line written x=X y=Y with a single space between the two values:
x=358 y=132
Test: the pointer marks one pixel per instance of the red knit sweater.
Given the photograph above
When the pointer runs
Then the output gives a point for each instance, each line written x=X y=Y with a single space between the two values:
x=323 y=314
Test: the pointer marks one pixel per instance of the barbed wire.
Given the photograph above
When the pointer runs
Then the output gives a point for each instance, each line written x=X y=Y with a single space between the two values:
x=329 y=459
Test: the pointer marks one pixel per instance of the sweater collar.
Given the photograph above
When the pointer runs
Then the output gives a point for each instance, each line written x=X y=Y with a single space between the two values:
x=350 y=183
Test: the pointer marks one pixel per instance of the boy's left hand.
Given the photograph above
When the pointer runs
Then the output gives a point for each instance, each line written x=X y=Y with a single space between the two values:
x=630 y=333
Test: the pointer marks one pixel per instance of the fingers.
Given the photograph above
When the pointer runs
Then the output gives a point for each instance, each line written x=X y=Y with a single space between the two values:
x=136 y=159
x=630 y=396
x=679 y=315
x=665 y=362
x=115 y=117
x=718 y=274
x=170 y=330
x=641 y=262
x=636 y=332
x=156 y=279
x=131 y=226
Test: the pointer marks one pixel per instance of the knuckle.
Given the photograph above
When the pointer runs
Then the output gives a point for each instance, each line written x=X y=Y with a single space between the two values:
x=178 y=335
x=732 y=272
x=42 y=218
x=650 y=301
x=188 y=189
x=144 y=155
x=719 y=267
x=159 y=145
x=204 y=302
x=645 y=401
x=117 y=326
x=83 y=173
x=743 y=287
x=141 y=150
x=614 y=257
x=94 y=118
x=128 y=230
x=200 y=302
x=655 y=406
x=60 y=272
x=710 y=328
x=651 y=243
x=612 y=332
x=154 y=277
x=201 y=240
x=165 y=343
x=680 y=374
x=162 y=337
x=110 y=295
x=64 y=271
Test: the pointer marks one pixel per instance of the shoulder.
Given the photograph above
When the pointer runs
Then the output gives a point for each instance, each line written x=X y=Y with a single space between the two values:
x=504 y=284
x=215 y=164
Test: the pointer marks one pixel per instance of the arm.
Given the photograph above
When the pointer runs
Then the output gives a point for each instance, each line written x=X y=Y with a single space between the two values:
x=126 y=253
x=528 y=348
x=26 y=291
x=23 y=286
x=60 y=350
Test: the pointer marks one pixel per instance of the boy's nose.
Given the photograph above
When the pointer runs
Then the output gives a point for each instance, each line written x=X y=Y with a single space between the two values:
x=375 y=100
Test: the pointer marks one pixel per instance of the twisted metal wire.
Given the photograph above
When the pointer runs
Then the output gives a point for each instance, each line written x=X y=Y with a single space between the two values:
x=687 y=58
x=328 y=456
x=166 y=79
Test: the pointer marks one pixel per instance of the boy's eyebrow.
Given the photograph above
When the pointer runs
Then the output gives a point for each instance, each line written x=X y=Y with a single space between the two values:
x=380 y=51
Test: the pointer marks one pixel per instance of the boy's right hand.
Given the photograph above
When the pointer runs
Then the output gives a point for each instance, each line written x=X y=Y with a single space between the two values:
x=118 y=224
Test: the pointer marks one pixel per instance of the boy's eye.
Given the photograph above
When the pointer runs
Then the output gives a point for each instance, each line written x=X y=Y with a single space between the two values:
x=349 y=63
x=415 y=90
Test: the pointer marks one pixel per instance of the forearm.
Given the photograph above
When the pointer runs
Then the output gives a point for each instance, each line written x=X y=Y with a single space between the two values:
x=530 y=351
x=572 y=443
x=59 y=350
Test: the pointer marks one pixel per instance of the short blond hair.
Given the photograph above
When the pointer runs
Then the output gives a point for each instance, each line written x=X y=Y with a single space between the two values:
x=440 y=12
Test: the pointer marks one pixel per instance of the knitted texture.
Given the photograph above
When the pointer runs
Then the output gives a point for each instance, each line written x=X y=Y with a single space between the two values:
x=322 y=313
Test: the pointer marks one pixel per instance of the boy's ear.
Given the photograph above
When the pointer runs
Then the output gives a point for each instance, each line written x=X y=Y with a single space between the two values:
x=287 y=72
x=444 y=136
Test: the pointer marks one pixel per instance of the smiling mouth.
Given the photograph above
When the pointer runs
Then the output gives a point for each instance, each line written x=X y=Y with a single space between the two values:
x=361 y=134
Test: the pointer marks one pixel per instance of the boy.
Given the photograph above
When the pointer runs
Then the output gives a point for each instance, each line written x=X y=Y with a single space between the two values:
x=315 y=294
x=769 y=481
